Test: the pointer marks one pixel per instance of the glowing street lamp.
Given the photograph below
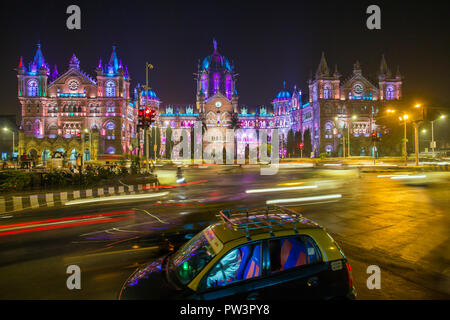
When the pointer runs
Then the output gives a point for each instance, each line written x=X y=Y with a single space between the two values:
x=405 y=154
x=6 y=130
x=433 y=143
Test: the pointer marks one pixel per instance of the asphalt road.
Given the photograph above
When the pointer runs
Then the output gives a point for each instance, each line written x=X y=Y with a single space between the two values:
x=400 y=225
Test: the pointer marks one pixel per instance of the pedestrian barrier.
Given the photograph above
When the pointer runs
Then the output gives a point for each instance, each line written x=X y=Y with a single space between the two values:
x=46 y=200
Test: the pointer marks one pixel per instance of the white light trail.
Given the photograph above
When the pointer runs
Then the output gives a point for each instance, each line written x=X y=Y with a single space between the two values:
x=409 y=177
x=392 y=175
x=124 y=197
x=326 y=197
x=279 y=189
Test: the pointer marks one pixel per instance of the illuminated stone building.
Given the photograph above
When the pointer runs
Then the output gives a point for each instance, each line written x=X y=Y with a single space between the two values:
x=333 y=106
x=59 y=109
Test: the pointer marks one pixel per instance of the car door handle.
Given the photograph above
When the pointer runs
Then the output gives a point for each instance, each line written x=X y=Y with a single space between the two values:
x=253 y=296
x=313 y=282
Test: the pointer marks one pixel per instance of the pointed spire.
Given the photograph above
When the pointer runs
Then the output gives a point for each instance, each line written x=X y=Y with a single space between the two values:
x=74 y=62
x=336 y=72
x=120 y=64
x=38 y=60
x=55 y=73
x=398 y=75
x=99 y=66
x=21 y=62
x=126 y=74
x=383 y=65
x=384 y=69
x=215 y=45
x=284 y=84
x=357 y=68
x=323 y=70
x=113 y=64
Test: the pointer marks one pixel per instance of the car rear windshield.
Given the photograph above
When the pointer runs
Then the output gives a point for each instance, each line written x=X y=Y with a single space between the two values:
x=190 y=259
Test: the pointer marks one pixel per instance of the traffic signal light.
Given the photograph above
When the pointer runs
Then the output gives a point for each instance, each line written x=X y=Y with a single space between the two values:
x=376 y=136
x=300 y=145
x=149 y=116
x=146 y=116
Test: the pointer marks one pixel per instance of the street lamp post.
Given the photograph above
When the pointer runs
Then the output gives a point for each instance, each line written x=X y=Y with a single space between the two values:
x=146 y=139
x=432 y=138
x=13 y=144
x=348 y=135
x=416 y=142
x=343 y=136
x=433 y=143
x=405 y=152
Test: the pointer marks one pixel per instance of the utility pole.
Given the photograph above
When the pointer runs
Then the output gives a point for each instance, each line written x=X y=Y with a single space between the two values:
x=404 y=143
x=416 y=141
x=432 y=137
x=343 y=143
x=82 y=152
x=146 y=140
x=348 y=139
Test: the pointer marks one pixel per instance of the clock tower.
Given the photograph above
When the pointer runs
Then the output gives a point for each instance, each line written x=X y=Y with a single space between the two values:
x=216 y=89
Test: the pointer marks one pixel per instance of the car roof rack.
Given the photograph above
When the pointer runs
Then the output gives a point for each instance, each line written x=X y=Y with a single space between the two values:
x=272 y=216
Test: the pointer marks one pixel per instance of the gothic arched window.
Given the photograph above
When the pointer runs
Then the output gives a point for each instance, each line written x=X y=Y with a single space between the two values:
x=110 y=132
x=110 y=88
x=33 y=88
x=389 y=93
x=327 y=92
x=216 y=82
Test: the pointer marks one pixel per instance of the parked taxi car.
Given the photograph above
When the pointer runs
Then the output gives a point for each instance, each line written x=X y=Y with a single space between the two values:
x=251 y=253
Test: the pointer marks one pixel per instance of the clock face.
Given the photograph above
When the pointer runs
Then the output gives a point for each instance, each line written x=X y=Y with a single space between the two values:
x=73 y=85
x=218 y=104
x=358 y=88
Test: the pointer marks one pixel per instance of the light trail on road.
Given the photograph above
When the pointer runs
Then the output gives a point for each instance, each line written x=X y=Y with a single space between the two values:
x=65 y=225
x=174 y=185
x=304 y=199
x=280 y=189
x=113 y=198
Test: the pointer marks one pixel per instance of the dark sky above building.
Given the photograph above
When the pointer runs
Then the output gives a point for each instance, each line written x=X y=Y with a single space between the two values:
x=269 y=42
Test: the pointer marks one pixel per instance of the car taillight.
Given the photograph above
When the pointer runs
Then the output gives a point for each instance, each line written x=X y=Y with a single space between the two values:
x=350 y=276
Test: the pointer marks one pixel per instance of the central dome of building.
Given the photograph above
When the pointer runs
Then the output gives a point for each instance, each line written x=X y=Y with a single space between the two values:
x=216 y=61
x=216 y=75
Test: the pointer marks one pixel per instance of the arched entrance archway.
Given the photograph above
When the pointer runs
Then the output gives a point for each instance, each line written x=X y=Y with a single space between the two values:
x=73 y=156
x=46 y=156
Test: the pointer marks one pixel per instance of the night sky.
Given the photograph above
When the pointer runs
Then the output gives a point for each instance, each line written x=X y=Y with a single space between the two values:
x=269 y=42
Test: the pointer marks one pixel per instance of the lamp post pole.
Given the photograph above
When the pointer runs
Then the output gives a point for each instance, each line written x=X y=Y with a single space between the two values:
x=348 y=139
x=12 y=155
x=432 y=138
x=404 y=144
x=416 y=142
x=146 y=139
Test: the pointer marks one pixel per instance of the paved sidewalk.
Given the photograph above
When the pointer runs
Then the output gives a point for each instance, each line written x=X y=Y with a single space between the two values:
x=17 y=203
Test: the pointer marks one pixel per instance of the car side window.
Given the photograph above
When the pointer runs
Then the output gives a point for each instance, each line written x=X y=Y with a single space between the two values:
x=238 y=264
x=291 y=252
